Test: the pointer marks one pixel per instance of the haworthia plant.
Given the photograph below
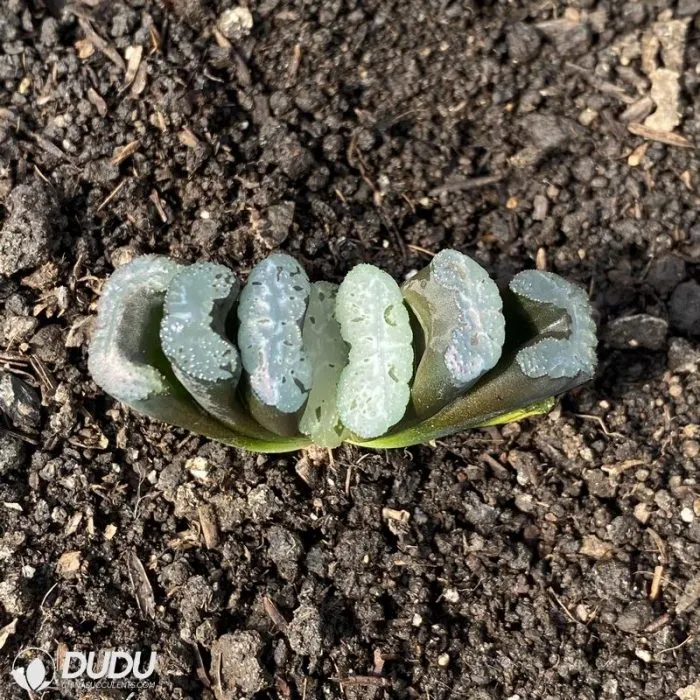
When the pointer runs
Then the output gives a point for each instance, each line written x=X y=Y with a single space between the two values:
x=286 y=363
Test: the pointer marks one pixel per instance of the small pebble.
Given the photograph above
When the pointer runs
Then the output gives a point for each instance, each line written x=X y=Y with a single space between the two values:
x=687 y=515
x=444 y=660
x=691 y=448
x=236 y=23
x=685 y=308
x=451 y=595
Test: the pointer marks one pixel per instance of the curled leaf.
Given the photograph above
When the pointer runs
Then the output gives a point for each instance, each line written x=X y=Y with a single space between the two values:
x=459 y=310
x=553 y=356
x=193 y=336
x=373 y=390
x=328 y=353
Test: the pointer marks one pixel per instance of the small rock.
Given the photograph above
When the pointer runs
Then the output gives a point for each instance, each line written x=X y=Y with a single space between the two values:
x=523 y=41
x=262 y=503
x=635 y=617
x=278 y=220
x=19 y=401
x=666 y=273
x=682 y=356
x=685 y=308
x=204 y=231
x=599 y=484
x=293 y=159
x=570 y=36
x=236 y=23
x=14 y=595
x=688 y=8
x=33 y=221
x=687 y=515
x=550 y=132
x=12 y=453
x=285 y=550
x=638 y=331
x=234 y=659
x=305 y=632
x=444 y=660
x=690 y=595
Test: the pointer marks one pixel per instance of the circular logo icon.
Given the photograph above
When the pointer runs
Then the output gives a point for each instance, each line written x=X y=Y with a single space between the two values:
x=33 y=669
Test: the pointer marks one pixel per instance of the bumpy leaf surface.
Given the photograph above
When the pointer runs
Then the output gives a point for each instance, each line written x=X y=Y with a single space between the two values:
x=460 y=311
x=373 y=390
x=558 y=357
x=271 y=313
x=193 y=336
x=124 y=350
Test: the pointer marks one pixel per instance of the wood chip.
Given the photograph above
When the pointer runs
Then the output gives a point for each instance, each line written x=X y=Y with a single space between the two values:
x=125 y=151
x=84 y=48
x=638 y=111
x=402 y=516
x=656 y=582
x=141 y=585
x=100 y=44
x=637 y=155
x=670 y=139
x=210 y=531
x=187 y=138
x=595 y=548
x=133 y=56
x=111 y=195
x=274 y=614
x=139 y=84
x=96 y=101
x=541 y=259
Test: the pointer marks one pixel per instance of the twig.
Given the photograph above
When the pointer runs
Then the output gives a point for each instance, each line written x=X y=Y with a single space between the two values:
x=467 y=183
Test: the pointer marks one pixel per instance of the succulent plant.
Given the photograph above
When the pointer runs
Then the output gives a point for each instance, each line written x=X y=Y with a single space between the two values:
x=283 y=363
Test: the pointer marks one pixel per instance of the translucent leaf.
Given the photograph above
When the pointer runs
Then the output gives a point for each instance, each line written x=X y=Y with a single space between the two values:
x=126 y=359
x=552 y=321
x=193 y=336
x=328 y=353
x=459 y=309
x=558 y=357
x=271 y=312
x=373 y=390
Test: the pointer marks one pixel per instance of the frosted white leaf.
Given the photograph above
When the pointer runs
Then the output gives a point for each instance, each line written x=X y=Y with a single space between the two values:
x=124 y=344
x=373 y=390
x=558 y=357
x=271 y=312
x=193 y=331
x=479 y=331
x=328 y=354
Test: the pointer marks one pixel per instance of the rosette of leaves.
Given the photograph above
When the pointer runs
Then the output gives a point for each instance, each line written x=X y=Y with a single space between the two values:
x=282 y=362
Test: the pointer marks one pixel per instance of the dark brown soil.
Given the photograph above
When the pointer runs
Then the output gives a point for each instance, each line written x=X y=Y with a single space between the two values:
x=558 y=558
